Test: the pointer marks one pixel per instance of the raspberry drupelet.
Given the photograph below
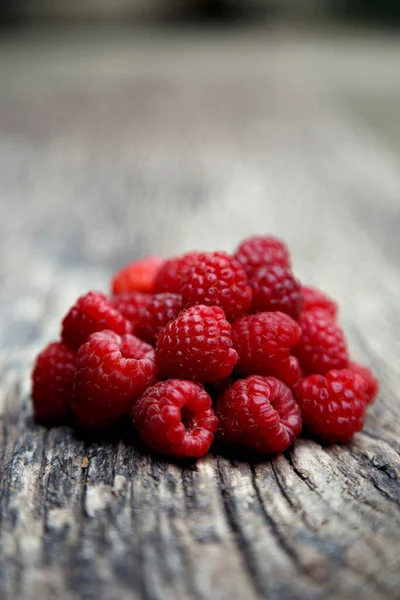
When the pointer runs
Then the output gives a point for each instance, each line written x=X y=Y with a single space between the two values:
x=332 y=405
x=322 y=345
x=137 y=276
x=91 y=312
x=372 y=384
x=217 y=279
x=175 y=417
x=262 y=251
x=159 y=310
x=313 y=298
x=259 y=413
x=112 y=372
x=130 y=305
x=275 y=288
x=263 y=343
x=52 y=382
x=171 y=273
x=197 y=345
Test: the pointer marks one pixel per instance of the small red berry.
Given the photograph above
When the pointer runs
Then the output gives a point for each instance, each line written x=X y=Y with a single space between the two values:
x=322 y=345
x=52 y=382
x=197 y=345
x=217 y=279
x=263 y=342
x=175 y=417
x=137 y=276
x=130 y=305
x=160 y=310
x=259 y=413
x=332 y=406
x=169 y=276
x=372 y=383
x=262 y=251
x=275 y=288
x=112 y=372
x=313 y=299
x=91 y=312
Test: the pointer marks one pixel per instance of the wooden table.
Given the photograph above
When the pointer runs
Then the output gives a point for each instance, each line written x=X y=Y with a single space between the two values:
x=119 y=144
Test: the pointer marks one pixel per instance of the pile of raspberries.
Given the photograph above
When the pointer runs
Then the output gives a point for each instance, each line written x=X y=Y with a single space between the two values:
x=202 y=345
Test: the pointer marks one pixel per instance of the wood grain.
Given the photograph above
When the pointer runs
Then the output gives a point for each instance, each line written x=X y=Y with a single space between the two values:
x=111 y=149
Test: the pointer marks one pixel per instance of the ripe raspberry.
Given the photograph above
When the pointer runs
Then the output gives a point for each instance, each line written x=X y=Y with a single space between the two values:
x=259 y=413
x=169 y=277
x=160 y=309
x=197 y=345
x=263 y=343
x=322 y=346
x=315 y=299
x=112 y=372
x=130 y=305
x=91 y=312
x=262 y=251
x=333 y=405
x=137 y=276
x=175 y=417
x=372 y=384
x=275 y=288
x=52 y=382
x=216 y=279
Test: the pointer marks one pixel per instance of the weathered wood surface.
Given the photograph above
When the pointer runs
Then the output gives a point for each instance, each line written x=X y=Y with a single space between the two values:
x=113 y=148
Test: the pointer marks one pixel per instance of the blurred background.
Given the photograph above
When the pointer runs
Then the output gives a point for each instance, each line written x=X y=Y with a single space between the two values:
x=137 y=126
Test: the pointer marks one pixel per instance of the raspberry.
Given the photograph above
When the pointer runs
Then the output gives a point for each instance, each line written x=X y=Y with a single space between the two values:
x=322 y=346
x=175 y=417
x=197 y=345
x=112 y=372
x=137 y=276
x=275 y=288
x=263 y=343
x=259 y=413
x=91 y=312
x=52 y=382
x=169 y=277
x=315 y=299
x=130 y=305
x=332 y=405
x=160 y=309
x=372 y=384
x=262 y=251
x=216 y=279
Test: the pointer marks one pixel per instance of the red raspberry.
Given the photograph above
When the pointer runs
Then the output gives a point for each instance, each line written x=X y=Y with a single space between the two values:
x=91 y=312
x=169 y=277
x=160 y=309
x=322 y=346
x=112 y=372
x=259 y=413
x=315 y=299
x=197 y=345
x=333 y=405
x=52 y=382
x=175 y=417
x=216 y=279
x=275 y=288
x=130 y=305
x=262 y=251
x=372 y=384
x=137 y=276
x=263 y=343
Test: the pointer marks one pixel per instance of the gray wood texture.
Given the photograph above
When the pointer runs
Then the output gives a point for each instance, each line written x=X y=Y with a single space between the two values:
x=120 y=145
